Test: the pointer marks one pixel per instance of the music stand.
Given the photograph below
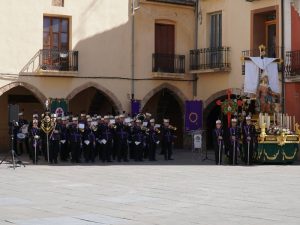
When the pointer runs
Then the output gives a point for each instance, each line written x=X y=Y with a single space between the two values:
x=12 y=152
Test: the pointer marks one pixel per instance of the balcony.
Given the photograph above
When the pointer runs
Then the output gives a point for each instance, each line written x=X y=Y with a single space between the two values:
x=178 y=2
x=168 y=64
x=51 y=61
x=59 y=60
x=272 y=52
x=208 y=60
x=292 y=65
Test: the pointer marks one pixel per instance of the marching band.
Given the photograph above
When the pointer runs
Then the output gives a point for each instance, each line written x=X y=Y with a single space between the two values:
x=93 y=138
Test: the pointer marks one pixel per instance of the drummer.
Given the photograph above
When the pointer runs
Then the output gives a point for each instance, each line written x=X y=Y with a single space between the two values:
x=22 y=135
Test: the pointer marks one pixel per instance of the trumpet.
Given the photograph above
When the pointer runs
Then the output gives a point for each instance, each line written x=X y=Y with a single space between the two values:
x=172 y=127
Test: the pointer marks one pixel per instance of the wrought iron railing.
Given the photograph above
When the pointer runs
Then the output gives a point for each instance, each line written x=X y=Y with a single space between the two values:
x=271 y=52
x=51 y=59
x=292 y=63
x=210 y=58
x=168 y=63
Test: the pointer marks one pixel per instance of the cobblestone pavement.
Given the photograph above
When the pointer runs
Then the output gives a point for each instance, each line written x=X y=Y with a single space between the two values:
x=183 y=191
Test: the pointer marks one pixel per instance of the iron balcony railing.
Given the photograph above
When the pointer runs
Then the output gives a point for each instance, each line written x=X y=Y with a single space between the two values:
x=292 y=64
x=210 y=59
x=61 y=60
x=271 y=52
x=168 y=63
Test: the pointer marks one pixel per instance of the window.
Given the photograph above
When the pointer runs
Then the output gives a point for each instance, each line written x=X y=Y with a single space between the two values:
x=216 y=30
x=58 y=3
x=216 y=56
x=56 y=33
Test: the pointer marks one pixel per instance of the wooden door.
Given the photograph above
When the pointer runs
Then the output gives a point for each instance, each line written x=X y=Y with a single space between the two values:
x=164 y=47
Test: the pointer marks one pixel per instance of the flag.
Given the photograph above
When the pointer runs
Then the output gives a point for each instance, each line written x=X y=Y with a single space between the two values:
x=193 y=115
x=135 y=107
x=58 y=106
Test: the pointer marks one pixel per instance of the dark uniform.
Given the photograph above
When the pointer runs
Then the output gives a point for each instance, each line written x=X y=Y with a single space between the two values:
x=21 y=142
x=64 y=148
x=122 y=135
x=153 y=141
x=167 y=142
x=234 y=144
x=88 y=144
x=249 y=142
x=139 y=141
x=75 y=143
x=35 y=143
x=219 y=145
x=106 y=140
x=54 y=144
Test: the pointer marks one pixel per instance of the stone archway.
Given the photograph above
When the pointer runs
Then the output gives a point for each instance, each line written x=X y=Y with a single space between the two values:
x=39 y=95
x=115 y=101
x=176 y=92
x=212 y=112
x=167 y=101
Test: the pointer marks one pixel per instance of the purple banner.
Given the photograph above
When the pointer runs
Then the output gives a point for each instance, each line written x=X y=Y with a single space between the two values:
x=193 y=115
x=135 y=107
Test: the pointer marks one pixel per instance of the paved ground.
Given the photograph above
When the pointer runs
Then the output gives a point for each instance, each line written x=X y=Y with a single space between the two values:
x=184 y=191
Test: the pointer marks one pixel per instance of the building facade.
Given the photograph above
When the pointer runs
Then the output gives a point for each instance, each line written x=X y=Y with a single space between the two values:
x=99 y=55
x=292 y=78
x=96 y=56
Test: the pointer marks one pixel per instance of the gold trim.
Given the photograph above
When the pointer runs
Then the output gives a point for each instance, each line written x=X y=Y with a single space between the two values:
x=272 y=158
x=289 y=157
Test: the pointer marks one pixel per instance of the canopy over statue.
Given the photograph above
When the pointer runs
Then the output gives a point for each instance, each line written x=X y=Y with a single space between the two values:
x=261 y=79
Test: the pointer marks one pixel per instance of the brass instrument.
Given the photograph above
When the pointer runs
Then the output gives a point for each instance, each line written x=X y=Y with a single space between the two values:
x=172 y=127
x=157 y=130
x=141 y=117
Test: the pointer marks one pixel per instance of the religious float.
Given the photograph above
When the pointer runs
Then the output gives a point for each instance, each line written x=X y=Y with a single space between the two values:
x=278 y=134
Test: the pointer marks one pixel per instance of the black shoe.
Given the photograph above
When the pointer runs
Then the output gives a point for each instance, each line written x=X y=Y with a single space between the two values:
x=170 y=159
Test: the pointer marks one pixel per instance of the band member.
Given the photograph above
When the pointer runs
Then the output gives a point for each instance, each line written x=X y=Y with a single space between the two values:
x=249 y=141
x=122 y=139
x=234 y=141
x=106 y=139
x=139 y=140
x=219 y=145
x=75 y=140
x=167 y=139
x=35 y=141
x=22 y=129
x=88 y=144
x=54 y=141
x=99 y=145
x=64 y=148
x=153 y=140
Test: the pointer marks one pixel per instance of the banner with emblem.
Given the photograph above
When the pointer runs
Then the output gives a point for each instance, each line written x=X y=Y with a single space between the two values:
x=58 y=106
x=193 y=115
x=135 y=107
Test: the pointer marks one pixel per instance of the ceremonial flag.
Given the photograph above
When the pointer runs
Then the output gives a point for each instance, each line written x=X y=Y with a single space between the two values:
x=193 y=115
x=135 y=107
x=59 y=107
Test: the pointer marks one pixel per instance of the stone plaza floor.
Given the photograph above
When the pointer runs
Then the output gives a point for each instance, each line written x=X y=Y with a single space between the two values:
x=183 y=191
